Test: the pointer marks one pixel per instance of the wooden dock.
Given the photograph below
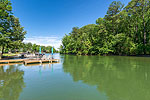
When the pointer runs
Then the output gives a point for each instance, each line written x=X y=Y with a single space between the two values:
x=9 y=64
x=41 y=61
x=12 y=60
x=28 y=61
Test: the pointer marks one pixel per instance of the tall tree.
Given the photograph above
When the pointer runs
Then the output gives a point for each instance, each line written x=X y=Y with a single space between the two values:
x=11 y=32
x=112 y=16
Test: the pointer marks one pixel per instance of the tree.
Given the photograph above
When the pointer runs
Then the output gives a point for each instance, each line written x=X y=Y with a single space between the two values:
x=111 y=18
x=5 y=16
x=11 y=32
x=123 y=31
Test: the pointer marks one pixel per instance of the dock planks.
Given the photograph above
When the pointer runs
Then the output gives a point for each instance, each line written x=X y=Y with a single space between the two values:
x=10 y=64
x=12 y=60
x=28 y=61
x=41 y=61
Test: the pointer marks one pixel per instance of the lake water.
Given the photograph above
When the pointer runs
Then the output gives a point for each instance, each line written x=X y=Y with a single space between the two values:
x=78 y=78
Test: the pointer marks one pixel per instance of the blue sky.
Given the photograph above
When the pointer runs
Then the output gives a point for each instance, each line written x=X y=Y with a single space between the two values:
x=47 y=21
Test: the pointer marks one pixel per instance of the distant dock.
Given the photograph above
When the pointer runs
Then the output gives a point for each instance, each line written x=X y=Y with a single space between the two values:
x=40 y=61
x=27 y=61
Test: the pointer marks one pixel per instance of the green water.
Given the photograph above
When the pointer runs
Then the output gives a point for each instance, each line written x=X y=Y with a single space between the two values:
x=78 y=78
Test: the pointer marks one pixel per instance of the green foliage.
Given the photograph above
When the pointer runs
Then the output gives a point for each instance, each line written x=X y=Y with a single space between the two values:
x=123 y=31
x=29 y=47
x=11 y=32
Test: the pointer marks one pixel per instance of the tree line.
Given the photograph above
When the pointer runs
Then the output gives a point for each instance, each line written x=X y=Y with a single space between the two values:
x=124 y=30
x=29 y=47
x=36 y=48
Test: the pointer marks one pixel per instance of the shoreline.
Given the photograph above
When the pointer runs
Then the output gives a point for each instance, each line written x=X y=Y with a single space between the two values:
x=109 y=55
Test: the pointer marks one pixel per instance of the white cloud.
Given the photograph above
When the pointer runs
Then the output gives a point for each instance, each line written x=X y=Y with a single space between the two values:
x=45 y=41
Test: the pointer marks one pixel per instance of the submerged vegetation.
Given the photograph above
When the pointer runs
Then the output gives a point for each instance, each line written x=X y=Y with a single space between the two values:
x=123 y=31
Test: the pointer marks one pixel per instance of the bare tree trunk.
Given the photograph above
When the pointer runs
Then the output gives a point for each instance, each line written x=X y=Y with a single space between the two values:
x=1 y=54
x=144 y=31
x=2 y=50
x=136 y=31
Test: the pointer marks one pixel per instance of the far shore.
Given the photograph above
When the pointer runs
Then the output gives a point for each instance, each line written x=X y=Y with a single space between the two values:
x=109 y=55
x=15 y=55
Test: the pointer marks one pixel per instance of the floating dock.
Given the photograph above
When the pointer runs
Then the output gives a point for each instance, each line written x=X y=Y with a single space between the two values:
x=9 y=64
x=40 y=61
x=12 y=60
x=28 y=61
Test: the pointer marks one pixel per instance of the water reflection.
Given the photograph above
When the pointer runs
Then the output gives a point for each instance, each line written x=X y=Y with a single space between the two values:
x=121 y=78
x=11 y=82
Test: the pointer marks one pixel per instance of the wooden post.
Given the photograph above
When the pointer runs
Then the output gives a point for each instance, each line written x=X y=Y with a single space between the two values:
x=25 y=63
